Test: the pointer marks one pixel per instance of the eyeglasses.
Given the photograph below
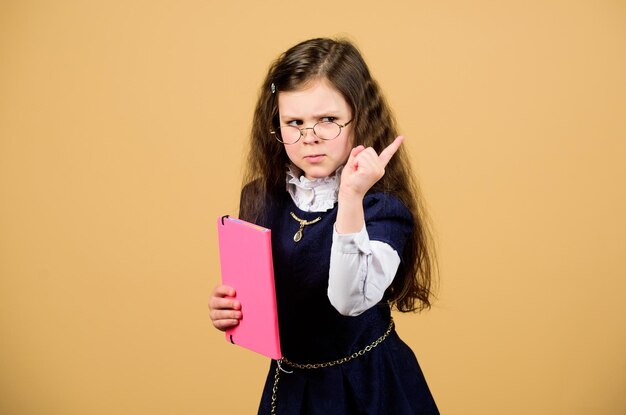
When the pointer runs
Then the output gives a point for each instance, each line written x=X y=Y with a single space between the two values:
x=325 y=130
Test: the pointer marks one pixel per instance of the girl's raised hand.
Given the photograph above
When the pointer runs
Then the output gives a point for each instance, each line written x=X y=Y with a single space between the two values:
x=364 y=168
x=224 y=309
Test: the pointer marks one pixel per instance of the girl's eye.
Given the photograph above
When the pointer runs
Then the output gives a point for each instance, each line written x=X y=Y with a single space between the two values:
x=328 y=119
x=295 y=122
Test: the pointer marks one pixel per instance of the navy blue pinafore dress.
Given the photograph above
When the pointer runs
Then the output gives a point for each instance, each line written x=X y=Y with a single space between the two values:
x=385 y=380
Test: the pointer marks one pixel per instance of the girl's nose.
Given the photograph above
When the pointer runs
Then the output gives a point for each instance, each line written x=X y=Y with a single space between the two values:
x=308 y=136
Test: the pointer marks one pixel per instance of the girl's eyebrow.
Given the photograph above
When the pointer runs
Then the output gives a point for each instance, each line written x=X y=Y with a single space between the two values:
x=332 y=113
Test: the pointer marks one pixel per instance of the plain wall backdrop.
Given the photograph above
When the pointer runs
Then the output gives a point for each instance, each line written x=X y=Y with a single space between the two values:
x=123 y=130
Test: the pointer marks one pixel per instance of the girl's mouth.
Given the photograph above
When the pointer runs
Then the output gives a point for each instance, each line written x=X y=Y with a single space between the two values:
x=314 y=158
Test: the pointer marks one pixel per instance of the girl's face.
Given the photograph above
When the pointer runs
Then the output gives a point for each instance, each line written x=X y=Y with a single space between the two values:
x=317 y=101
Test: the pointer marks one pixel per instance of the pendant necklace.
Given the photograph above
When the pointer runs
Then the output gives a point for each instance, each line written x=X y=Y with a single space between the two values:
x=303 y=223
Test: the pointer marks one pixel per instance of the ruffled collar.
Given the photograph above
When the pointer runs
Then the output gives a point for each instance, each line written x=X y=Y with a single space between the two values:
x=316 y=195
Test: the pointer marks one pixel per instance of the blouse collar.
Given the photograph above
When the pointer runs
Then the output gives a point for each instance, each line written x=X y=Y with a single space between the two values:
x=317 y=195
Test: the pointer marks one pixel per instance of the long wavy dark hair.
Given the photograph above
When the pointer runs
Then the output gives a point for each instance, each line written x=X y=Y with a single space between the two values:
x=341 y=63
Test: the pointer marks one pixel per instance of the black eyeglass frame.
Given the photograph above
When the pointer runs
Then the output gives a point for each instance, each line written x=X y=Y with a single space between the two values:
x=274 y=132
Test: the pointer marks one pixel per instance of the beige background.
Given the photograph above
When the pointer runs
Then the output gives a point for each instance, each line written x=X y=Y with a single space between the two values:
x=122 y=131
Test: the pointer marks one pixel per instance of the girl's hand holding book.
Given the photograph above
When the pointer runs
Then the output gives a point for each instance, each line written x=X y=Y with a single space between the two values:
x=224 y=309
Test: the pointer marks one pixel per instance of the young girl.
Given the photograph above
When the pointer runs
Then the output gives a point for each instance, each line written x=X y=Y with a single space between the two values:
x=327 y=174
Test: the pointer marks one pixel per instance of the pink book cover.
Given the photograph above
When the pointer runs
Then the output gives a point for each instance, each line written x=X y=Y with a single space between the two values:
x=246 y=263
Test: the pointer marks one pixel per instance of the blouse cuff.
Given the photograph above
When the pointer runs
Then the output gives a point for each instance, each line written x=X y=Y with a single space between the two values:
x=352 y=243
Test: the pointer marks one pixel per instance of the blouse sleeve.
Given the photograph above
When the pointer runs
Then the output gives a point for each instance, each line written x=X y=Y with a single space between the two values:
x=363 y=265
x=360 y=272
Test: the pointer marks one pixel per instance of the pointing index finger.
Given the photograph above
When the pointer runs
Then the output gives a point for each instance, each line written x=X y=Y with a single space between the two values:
x=388 y=153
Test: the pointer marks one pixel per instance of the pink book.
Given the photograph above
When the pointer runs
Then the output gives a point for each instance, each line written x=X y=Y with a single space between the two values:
x=246 y=265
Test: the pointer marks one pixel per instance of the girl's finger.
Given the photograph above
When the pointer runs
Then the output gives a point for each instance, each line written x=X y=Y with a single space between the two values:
x=355 y=152
x=388 y=153
x=225 y=314
x=370 y=155
x=370 y=160
x=224 y=291
x=225 y=324
x=218 y=303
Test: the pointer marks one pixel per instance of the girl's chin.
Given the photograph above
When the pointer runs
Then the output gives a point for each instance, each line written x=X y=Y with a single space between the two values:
x=313 y=174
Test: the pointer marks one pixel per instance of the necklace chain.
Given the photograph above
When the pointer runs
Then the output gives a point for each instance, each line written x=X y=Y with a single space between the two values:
x=303 y=223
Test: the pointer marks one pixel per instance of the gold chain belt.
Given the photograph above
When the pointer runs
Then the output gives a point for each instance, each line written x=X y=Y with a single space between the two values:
x=322 y=365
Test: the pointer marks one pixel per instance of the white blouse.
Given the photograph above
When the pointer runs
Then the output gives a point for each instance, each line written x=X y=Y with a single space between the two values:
x=360 y=270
